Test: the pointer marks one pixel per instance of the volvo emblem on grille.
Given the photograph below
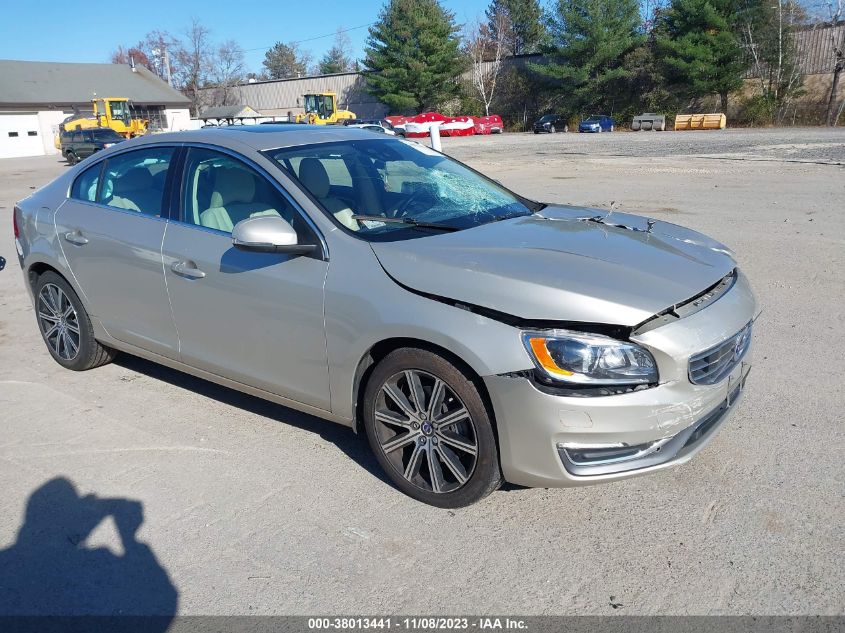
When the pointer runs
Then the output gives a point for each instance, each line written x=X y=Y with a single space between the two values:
x=741 y=343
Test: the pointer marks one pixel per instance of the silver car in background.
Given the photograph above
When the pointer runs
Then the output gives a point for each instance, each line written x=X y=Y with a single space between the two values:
x=474 y=335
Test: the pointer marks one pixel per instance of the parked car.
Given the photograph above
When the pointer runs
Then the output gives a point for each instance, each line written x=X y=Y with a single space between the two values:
x=382 y=123
x=474 y=335
x=372 y=127
x=597 y=123
x=550 y=123
x=79 y=144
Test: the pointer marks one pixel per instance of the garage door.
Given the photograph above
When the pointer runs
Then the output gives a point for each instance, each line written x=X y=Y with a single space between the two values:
x=20 y=135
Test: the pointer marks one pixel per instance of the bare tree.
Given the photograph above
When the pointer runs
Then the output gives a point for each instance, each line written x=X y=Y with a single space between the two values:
x=336 y=59
x=485 y=47
x=828 y=15
x=132 y=54
x=767 y=31
x=228 y=69
x=164 y=52
x=835 y=11
x=195 y=67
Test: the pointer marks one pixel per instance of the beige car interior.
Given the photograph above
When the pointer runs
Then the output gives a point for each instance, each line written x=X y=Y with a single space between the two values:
x=137 y=190
x=313 y=175
x=234 y=197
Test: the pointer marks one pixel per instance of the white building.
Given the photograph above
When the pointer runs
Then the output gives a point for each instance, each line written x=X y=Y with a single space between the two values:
x=35 y=97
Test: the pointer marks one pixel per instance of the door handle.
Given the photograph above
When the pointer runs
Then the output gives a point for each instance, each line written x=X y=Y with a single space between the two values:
x=187 y=269
x=76 y=237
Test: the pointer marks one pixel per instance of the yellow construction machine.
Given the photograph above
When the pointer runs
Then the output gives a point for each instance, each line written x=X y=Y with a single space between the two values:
x=110 y=112
x=321 y=109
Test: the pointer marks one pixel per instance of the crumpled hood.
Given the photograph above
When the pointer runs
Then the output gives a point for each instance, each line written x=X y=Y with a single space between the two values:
x=563 y=264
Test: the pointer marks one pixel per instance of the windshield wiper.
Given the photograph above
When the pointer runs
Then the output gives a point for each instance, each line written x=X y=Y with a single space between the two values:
x=406 y=221
x=499 y=218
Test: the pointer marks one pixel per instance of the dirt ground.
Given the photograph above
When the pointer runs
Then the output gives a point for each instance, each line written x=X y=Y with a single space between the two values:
x=250 y=508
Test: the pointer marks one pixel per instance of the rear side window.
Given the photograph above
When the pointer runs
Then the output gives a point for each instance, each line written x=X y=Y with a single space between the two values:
x=85 y=185
x=134 y=181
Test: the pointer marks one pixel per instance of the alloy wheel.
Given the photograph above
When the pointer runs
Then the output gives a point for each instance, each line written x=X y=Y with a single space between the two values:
x=425 y=431
x=59 y=322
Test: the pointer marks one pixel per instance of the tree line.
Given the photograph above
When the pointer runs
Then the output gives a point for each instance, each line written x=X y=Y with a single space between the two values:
x=206 y=71
x=618 y=57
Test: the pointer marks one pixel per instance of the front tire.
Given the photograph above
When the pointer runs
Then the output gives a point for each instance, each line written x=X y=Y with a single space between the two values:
x=72 y=159
x=65 y=326
x=430 y=430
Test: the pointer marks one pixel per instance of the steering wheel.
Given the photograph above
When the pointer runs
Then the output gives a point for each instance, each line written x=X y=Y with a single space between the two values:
x=402 y=208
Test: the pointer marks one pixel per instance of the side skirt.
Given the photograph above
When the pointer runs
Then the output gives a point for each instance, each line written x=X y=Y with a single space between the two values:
x=220 y=380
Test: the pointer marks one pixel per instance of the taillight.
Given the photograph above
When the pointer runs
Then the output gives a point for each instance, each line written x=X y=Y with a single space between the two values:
x=15 y=212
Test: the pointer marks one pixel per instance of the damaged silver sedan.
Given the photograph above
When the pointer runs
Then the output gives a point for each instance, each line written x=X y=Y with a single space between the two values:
x=474 y=335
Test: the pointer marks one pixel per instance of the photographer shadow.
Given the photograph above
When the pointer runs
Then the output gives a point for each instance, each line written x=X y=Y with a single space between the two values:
x=49 y=571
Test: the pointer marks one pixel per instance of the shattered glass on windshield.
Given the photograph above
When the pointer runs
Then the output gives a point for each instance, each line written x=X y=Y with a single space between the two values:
x=407 y=184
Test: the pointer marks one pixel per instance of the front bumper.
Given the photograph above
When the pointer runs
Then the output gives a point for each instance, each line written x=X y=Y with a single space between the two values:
x=550 y=440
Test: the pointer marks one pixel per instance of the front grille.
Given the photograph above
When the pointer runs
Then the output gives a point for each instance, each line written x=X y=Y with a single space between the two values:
x=715 y=364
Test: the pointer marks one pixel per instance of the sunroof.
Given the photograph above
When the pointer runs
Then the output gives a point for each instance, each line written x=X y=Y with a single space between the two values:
x=270 y=128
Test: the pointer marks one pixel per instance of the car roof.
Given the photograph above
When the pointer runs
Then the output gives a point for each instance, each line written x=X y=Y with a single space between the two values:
x=261 y=137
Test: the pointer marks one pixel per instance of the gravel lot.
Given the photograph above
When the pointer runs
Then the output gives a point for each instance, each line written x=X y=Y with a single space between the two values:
x=251 y=508
x=805 y=145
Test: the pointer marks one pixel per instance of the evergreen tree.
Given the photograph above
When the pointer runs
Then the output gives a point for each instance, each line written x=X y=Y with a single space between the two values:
x=589 y=41
x=285 y=60
x=336 y=60
x=524 y=31
x=413 y=55
x=700 y=50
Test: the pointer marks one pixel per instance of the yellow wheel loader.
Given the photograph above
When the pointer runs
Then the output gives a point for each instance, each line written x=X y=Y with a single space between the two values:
x=321 y=109
x=110 y=112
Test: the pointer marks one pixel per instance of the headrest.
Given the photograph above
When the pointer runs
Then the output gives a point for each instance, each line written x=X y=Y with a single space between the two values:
x=313 y=175
x=136 y=179
x=232 y=185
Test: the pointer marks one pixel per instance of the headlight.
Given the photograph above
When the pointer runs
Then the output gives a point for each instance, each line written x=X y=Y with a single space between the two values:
x=589 y=359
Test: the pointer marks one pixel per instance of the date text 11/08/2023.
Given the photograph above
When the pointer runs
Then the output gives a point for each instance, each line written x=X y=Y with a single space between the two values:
x=416 y=623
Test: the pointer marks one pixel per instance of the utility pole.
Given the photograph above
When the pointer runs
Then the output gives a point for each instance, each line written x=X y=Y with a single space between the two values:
x=167 y=68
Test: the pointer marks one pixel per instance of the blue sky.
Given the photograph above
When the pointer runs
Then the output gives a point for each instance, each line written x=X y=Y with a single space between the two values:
x=90 y=31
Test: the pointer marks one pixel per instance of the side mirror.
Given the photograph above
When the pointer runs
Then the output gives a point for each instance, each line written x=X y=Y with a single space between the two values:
x=268 y=234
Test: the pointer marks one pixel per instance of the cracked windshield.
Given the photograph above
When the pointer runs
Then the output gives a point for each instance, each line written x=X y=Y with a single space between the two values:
x=385 y=186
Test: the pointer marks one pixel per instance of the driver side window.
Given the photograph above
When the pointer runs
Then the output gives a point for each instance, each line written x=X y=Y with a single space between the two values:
x=219 y=191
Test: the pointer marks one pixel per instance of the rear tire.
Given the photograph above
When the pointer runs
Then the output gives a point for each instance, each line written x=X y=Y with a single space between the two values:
x=430 y=430
x=65 y=326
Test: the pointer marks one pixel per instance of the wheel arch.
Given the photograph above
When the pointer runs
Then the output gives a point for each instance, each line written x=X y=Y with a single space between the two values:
x=35 y=269
x=382 y=348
